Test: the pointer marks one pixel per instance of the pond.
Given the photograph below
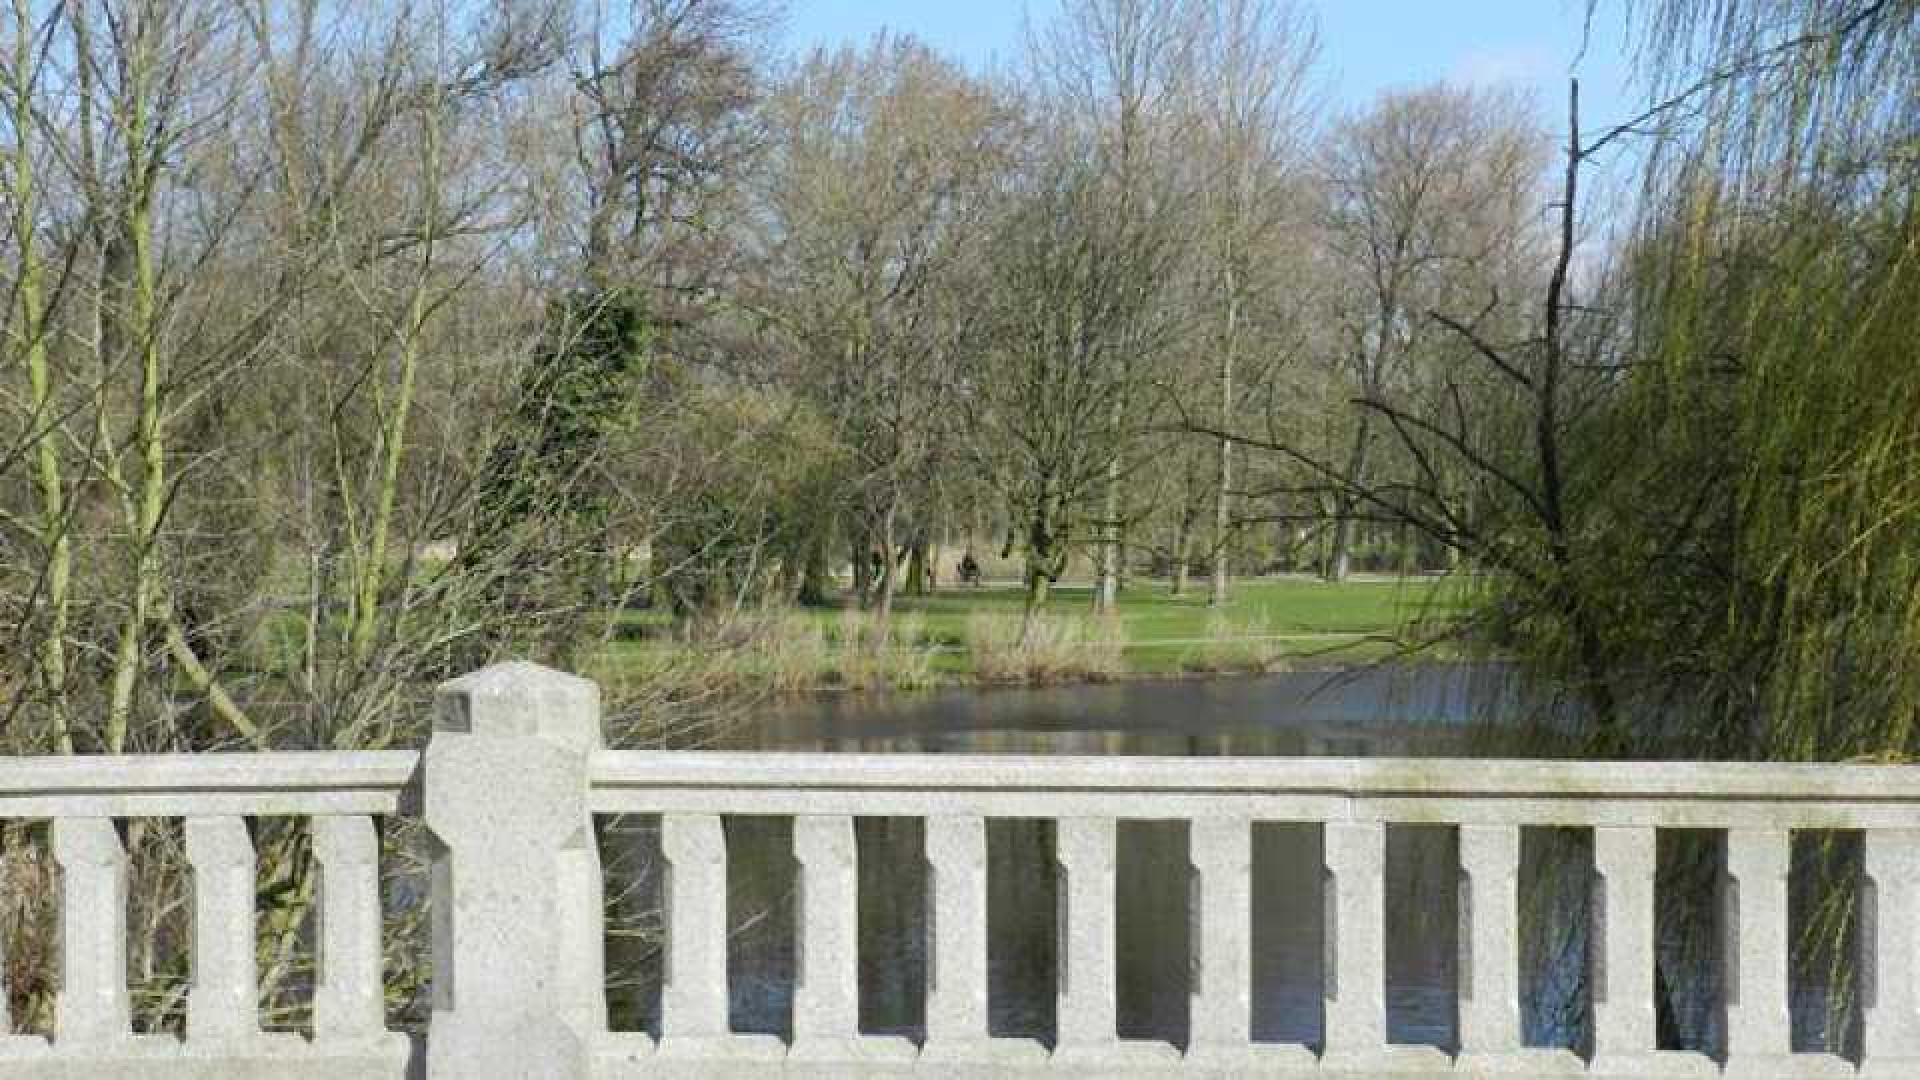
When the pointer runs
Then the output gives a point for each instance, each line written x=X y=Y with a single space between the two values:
x=1409 y=710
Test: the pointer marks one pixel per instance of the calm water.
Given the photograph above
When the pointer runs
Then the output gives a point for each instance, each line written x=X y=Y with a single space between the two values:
x=1407 y=711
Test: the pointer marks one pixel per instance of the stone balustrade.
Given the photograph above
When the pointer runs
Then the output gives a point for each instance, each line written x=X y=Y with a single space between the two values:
x=1758 y=807
x=87 y=800
x=515 y=775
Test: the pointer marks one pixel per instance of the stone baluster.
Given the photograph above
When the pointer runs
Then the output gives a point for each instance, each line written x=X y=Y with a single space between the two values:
x=956 y=850
x=93 y=1006
x=348 y=1000
x=1084 y=851
x=693 y=1003
x=1355 y=912
x=1220 y=910
x=1889 y=937
x=224 y=1002
x=1489 y=941
x=1622 y=940
x=826 y=1000
x=1754 y=987
x=7 y=857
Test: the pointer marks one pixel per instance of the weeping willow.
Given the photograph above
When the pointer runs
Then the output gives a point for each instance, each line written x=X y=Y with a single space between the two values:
x=1742 y=487
x=1779 y=316
x=1745 y=498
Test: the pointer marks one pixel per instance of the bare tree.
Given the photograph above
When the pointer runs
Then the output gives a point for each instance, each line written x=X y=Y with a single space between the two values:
x=1099 y=230
x=1061 y=390
x=1254 y=58
x=882 y=161
x=1428 y=197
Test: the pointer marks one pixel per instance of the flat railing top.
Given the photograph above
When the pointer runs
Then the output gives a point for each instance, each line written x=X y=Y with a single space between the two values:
x=1704 y=794
x=1676 y=794
x=176 y=785
x=1316 y=775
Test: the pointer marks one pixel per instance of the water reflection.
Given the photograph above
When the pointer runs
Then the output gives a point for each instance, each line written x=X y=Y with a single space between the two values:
x=1423 y=709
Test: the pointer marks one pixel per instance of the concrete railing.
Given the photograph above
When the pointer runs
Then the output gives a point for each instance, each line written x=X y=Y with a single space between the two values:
x=215 y=794
x=515 y=774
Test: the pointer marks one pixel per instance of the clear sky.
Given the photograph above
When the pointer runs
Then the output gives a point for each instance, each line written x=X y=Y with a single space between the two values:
x=1367 y=45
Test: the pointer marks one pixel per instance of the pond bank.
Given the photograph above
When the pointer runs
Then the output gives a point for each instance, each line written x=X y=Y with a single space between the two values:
x=978 y=637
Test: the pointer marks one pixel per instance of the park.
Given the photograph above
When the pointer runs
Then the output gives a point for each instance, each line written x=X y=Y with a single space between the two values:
x=1087 y=538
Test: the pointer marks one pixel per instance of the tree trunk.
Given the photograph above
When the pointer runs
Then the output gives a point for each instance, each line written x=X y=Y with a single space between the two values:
x=1222 y=497
x=1042 y=563
x=30 y=318
x=813 y=574
x=1039 y=585
x=1340 y=559
x=889 y=579
x=1182 y=553
x=862 y=556
x=1340 y=544
x=143 y=333
x=218 y=700
x=919 y=566
x=371 y=572
x=1106 y=594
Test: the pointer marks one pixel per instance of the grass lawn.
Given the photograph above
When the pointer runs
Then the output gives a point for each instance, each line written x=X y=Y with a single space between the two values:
x=1267 y=621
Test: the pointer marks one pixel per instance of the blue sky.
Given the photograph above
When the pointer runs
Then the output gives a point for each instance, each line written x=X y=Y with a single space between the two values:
x=1367 y=45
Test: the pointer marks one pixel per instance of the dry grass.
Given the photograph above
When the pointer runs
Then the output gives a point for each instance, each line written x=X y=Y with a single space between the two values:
x=1236 y=645
x=1053 y=648
x=748 y=656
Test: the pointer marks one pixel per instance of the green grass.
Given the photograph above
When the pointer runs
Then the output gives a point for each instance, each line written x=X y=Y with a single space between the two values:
x=1268 y=622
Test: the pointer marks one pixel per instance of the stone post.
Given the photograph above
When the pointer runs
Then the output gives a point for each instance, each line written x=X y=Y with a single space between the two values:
x=517 y=980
